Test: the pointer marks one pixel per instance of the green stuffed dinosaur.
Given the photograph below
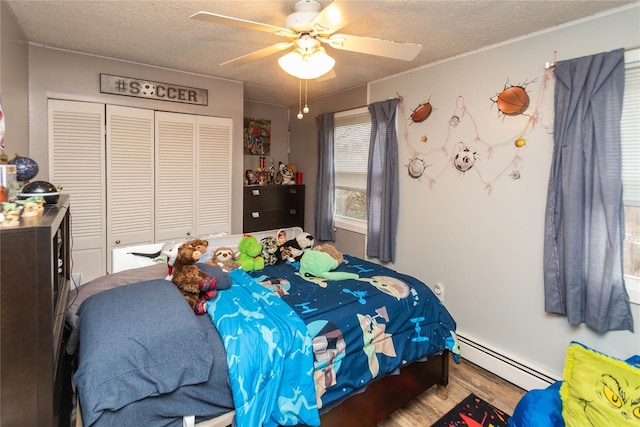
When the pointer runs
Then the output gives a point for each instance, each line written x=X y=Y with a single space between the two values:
x=321 y=264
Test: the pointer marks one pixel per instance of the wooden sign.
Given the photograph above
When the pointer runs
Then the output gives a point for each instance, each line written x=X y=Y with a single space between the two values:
x=128 y=86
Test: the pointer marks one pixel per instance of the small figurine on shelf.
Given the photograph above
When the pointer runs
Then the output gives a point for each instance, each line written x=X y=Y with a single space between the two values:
x=32 y=206
x=11 y=214
x=272 y=172
x=249 y=177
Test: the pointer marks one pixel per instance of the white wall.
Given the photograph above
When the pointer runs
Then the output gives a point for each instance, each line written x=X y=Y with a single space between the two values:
x=487 y=249
x=65 y=75
x=279 y=116
x=14 y=84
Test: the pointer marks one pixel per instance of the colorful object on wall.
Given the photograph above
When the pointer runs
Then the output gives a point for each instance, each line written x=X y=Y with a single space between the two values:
x=464 y=132
x=512 y=100
x=416 y=167
x=520 y=142
x=464 y=159
x=424 y=138
x=421 y=112
x=257 y=136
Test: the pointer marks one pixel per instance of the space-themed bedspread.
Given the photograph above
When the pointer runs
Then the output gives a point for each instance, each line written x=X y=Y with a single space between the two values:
x=268 y=355
x=361 y=328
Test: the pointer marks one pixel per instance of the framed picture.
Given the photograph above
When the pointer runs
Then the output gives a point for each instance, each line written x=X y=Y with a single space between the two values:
x=257 y=136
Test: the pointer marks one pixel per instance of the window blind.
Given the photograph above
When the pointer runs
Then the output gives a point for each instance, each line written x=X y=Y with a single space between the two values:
x=351 y=146
x=630 y=130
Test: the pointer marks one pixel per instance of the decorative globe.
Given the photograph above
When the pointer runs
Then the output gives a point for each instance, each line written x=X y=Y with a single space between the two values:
x=26 y=168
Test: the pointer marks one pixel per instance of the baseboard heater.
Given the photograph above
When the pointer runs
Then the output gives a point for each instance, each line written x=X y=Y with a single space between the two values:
x=510 y=368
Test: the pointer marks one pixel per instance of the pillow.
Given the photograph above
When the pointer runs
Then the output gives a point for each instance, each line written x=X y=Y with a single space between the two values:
x=136 y=341
x=599 y=390
x=539 y=408
x=224 y=280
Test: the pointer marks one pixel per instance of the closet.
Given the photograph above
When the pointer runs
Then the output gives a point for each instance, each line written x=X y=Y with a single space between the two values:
x=138 y=176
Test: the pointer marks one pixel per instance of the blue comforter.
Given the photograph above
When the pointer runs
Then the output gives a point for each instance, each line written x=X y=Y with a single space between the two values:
x=364 y=328
x=299 y=343
x=268 y=354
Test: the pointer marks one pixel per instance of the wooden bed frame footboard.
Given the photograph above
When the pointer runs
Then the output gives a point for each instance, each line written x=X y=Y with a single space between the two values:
x=378 y=402
x=390 y=393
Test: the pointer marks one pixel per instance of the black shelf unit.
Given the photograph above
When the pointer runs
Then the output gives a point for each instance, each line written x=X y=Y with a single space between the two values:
x=35 y=275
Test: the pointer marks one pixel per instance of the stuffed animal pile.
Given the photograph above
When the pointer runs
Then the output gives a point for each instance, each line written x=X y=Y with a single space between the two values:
x=269 y=249
x=225 y=258
x=250 y=253
x=319 y=264
x=293 y=249
x=196 y=286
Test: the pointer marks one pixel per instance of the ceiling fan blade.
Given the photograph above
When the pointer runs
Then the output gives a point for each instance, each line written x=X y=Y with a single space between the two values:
x=373 y=46
x=237 y=22
x=259 y=54
x=337 y=15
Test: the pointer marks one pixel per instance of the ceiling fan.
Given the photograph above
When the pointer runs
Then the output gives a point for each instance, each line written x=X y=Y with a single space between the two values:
x=307 y=29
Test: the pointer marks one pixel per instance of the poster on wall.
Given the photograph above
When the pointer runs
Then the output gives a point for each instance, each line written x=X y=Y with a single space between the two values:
x=257 y=136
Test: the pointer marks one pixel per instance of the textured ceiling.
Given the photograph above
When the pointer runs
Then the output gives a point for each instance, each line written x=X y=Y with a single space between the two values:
x=160 y=33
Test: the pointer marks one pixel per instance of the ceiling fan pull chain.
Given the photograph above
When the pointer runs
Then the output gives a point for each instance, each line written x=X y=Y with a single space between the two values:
x=306 y=107
x=300 y=100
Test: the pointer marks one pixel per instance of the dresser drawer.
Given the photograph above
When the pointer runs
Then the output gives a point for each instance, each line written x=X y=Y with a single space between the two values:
x=273 y=197
x=272 y=219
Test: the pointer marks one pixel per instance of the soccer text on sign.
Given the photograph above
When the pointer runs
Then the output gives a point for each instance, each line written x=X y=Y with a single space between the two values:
x=152 y=90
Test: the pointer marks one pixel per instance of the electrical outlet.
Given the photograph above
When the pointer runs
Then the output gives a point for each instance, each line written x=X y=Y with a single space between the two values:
x=438 y=289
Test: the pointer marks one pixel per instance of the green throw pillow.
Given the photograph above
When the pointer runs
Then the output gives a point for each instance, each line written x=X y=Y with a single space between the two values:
x=599 y=390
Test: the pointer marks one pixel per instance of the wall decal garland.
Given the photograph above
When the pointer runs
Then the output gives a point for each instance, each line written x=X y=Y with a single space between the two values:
x=464 y=156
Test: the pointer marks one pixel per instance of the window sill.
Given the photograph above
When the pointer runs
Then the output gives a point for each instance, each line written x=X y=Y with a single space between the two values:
x=355 y=225
x=633 y=289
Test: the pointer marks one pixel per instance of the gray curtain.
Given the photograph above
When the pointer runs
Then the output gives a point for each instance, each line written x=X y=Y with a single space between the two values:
x=382 y=182
x=584 y=224
x=325 y=180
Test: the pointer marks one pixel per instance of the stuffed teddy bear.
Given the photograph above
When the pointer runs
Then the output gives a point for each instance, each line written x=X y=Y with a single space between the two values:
x=196 y=286
x=225 y=258
x=201 y=246
x=296 y=247
x=250 y=253
x=269 y=249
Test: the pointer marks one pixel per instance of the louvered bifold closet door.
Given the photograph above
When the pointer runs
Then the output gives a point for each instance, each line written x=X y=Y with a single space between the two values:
x=213 y=160
x=76 y=162
x=130 y=177
x=175 y=176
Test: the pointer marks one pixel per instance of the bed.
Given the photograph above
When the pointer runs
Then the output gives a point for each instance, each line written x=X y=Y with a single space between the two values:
x=274 y=348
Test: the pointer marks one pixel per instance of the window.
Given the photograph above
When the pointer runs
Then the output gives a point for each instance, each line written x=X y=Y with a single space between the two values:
x=351 y=146
x=630 y=136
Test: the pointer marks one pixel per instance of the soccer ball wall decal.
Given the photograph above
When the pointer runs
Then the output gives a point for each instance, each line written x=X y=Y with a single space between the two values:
x=464 y=159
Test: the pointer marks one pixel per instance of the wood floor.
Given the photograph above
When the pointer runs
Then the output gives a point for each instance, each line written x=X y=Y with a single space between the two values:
x=464 y=378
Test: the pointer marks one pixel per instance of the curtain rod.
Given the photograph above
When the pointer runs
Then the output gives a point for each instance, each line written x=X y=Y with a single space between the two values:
x=548 y=65
x=399 y=98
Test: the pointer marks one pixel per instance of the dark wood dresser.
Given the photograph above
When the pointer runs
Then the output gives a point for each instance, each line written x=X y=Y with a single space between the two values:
x=268 y=207
x=35 y=274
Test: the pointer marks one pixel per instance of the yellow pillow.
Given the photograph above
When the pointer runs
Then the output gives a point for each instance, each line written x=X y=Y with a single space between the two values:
x=599 y=390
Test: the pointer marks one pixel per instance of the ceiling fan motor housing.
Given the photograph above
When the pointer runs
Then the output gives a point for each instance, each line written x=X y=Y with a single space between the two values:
x=299 y=20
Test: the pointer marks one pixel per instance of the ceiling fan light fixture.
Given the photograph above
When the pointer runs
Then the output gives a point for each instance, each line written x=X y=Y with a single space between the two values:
x=307 y=66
